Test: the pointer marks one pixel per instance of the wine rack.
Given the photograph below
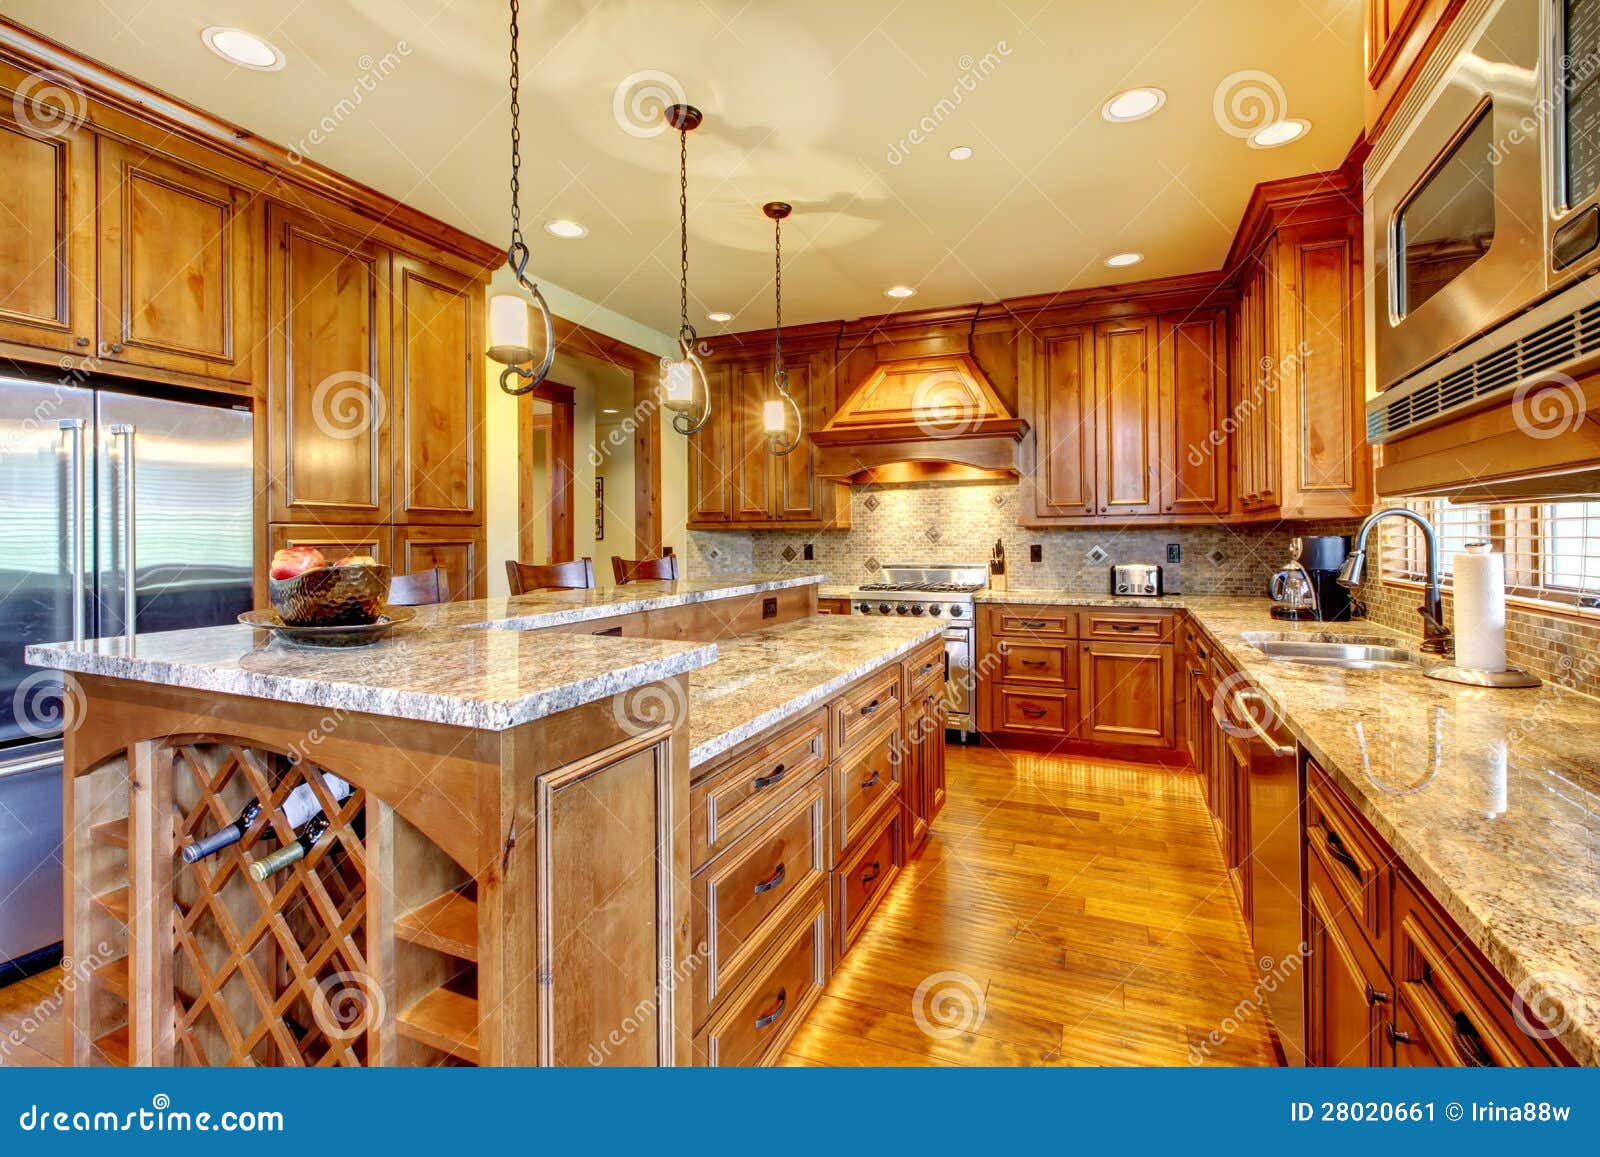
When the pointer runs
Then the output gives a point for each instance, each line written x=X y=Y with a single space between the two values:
x=271 y=972
x=98 y=963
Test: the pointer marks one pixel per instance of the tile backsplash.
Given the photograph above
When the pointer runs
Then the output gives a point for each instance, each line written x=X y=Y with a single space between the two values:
x=959 y=522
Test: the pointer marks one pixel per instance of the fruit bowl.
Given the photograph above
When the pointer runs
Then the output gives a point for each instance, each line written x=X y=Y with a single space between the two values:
x=331 y=596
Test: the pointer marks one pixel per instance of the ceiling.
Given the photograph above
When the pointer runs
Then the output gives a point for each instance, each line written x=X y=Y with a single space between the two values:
x=813 y=103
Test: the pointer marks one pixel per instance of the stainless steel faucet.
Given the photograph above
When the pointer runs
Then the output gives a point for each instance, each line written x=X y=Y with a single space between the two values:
x=1436 y=638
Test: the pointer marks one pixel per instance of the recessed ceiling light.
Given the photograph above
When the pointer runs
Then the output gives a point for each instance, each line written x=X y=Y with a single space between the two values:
x=899 y=291
x=561 y=227
x=237 y=46
x=720 y=315
x=611 y=411
x=1133 y=105
x=960 y=152
x=1123 y=260
x=1279 y=133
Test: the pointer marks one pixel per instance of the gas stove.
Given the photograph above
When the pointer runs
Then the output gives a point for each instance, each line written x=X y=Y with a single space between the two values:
x=922 y=589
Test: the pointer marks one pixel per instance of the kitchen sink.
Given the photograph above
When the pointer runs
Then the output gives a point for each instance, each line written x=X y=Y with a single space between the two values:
x=1358 y=652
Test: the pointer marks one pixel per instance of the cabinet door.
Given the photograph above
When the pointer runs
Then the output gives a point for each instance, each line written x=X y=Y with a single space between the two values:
x=1194 y=392
x=797 y=492
x=1125 y=692
x=1266 y=382
x=933 y=767
x=438 y=353
x=328 y=395
x=711 y=454
x=47 y=273
x=1197 y=726
x=459 y=549
x=913 y=773
x=179 y=255
x=1346 y=988
x=1063 y=412
x=753 y=469
x=1127 y=417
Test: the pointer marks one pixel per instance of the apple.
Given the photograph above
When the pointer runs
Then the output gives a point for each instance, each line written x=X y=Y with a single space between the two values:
x=357 y=560
x=295 y=560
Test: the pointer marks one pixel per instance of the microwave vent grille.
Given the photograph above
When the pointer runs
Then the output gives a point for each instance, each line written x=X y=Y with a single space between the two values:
x=1563 y=343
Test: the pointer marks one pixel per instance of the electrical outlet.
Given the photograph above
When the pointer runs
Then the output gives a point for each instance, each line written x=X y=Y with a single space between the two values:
x=1174 y=553
x=1035 y=552
x=769 y=608
x=808 y=552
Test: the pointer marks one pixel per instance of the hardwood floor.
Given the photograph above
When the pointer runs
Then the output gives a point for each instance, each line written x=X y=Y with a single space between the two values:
x=1063 y=912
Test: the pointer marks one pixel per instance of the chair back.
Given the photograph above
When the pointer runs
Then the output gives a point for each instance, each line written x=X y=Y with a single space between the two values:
x=627 y=570
x=577 y=575
x=419 y=588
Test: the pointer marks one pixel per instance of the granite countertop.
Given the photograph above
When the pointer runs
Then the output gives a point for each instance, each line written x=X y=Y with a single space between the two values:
x=768 y=676
x=431 y=669
x=1491 y=797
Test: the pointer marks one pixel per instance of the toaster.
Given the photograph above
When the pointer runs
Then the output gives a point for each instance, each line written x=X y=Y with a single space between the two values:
x=1142 y=579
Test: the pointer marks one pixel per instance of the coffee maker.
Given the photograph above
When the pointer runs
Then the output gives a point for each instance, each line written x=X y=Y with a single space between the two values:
x=1308 y=588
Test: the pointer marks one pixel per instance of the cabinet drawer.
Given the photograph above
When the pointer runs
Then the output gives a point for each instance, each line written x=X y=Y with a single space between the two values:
x=1357 y=862
x=864 y=784
x=1150 y=627
x=728 y=803
x=864 y=879
x=746 y=896
x=1032 y=709
x=1031 y=662
x=758 y=1020
x=1456 y=1016
x=923 y=670
x=1051 y=622
x=860 y=711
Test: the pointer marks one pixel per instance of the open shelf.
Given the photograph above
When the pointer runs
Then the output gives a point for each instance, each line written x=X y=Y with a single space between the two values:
x=114 y=903
x=114 y=1046
x=113 y=833
x=448 y=924
x=113 y=977
x=443 y=1020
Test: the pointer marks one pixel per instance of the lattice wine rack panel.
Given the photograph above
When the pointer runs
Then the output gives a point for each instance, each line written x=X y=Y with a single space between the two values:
x=273 y=971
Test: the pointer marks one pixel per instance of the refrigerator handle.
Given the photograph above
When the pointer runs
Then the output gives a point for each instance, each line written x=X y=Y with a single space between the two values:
x=72 y=429
x=130 y=534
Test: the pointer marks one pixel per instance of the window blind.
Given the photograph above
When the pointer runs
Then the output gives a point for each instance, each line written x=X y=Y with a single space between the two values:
x=1552 y=549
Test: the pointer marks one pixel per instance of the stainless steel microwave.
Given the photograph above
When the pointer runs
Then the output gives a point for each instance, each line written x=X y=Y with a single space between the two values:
x=1483 y=214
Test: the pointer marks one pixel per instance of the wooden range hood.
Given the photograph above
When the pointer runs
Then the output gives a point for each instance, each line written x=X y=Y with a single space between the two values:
x=934 y=416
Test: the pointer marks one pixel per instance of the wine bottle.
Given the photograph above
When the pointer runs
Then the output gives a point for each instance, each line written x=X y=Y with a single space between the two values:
x=295 y=852
x=297 y=809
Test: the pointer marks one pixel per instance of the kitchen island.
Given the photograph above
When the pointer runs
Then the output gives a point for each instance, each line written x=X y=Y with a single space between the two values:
x=506 y=871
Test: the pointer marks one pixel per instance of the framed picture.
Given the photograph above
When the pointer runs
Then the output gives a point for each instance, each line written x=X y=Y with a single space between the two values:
x=599 y=508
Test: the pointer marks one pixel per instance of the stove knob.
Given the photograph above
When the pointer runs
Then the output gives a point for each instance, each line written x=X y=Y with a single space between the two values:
x=918 y=608
x=901 y=609
x=957 y=611
x=864 y=608
x=936 y=609
x=883 y=608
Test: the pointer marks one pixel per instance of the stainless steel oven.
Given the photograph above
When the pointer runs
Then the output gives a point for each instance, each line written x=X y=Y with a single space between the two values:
x=958 y=648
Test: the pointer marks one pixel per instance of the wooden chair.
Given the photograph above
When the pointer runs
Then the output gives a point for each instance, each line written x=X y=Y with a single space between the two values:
x=627 y=570
x=577 y=575
x=419 y=589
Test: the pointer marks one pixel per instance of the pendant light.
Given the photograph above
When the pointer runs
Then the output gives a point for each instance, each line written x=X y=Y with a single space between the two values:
x=510 y=328
x=774 y=413
x=684 y=376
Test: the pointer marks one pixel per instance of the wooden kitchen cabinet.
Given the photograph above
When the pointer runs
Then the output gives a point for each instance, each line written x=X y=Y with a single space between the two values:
x=1399 y=37
x=711 y=455
x=753 y=461
x=179 y=258
x=1125 y=694
x=1196 y=698
x=329 y=396
x=47 y=248
x=1063 y=476
x=1192 y=372
x=458 y=549
x=1347 y=989
x=923 y=774
x=1127 y=418
x=437 y=356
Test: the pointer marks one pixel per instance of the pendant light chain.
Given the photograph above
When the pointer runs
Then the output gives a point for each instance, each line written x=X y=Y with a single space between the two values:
x=517 y=241
x=777 y=277
x=683 y=233
x=780 y=446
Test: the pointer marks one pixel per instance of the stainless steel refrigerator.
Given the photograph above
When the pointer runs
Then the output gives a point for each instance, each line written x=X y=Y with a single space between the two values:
x=98 y=485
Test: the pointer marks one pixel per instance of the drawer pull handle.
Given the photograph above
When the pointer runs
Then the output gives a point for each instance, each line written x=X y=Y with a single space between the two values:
x=926 y=667
x=1034 y=624
x=773 y=880
x=1339 y=852
x=1469 y=1046
x=1376 y=997
x=872 y=873
x=762 y=782
x=777 y=1012
x=1031 y=711
x=1126 y=626
x=871 y=708
x=1396 y=1037
x=1034 y=663
x=872 y=781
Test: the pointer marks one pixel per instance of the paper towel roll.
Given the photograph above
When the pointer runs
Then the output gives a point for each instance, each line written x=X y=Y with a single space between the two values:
x=1480 y=608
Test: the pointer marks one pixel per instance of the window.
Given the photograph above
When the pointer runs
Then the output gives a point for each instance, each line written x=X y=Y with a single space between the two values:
x=1552 y=549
